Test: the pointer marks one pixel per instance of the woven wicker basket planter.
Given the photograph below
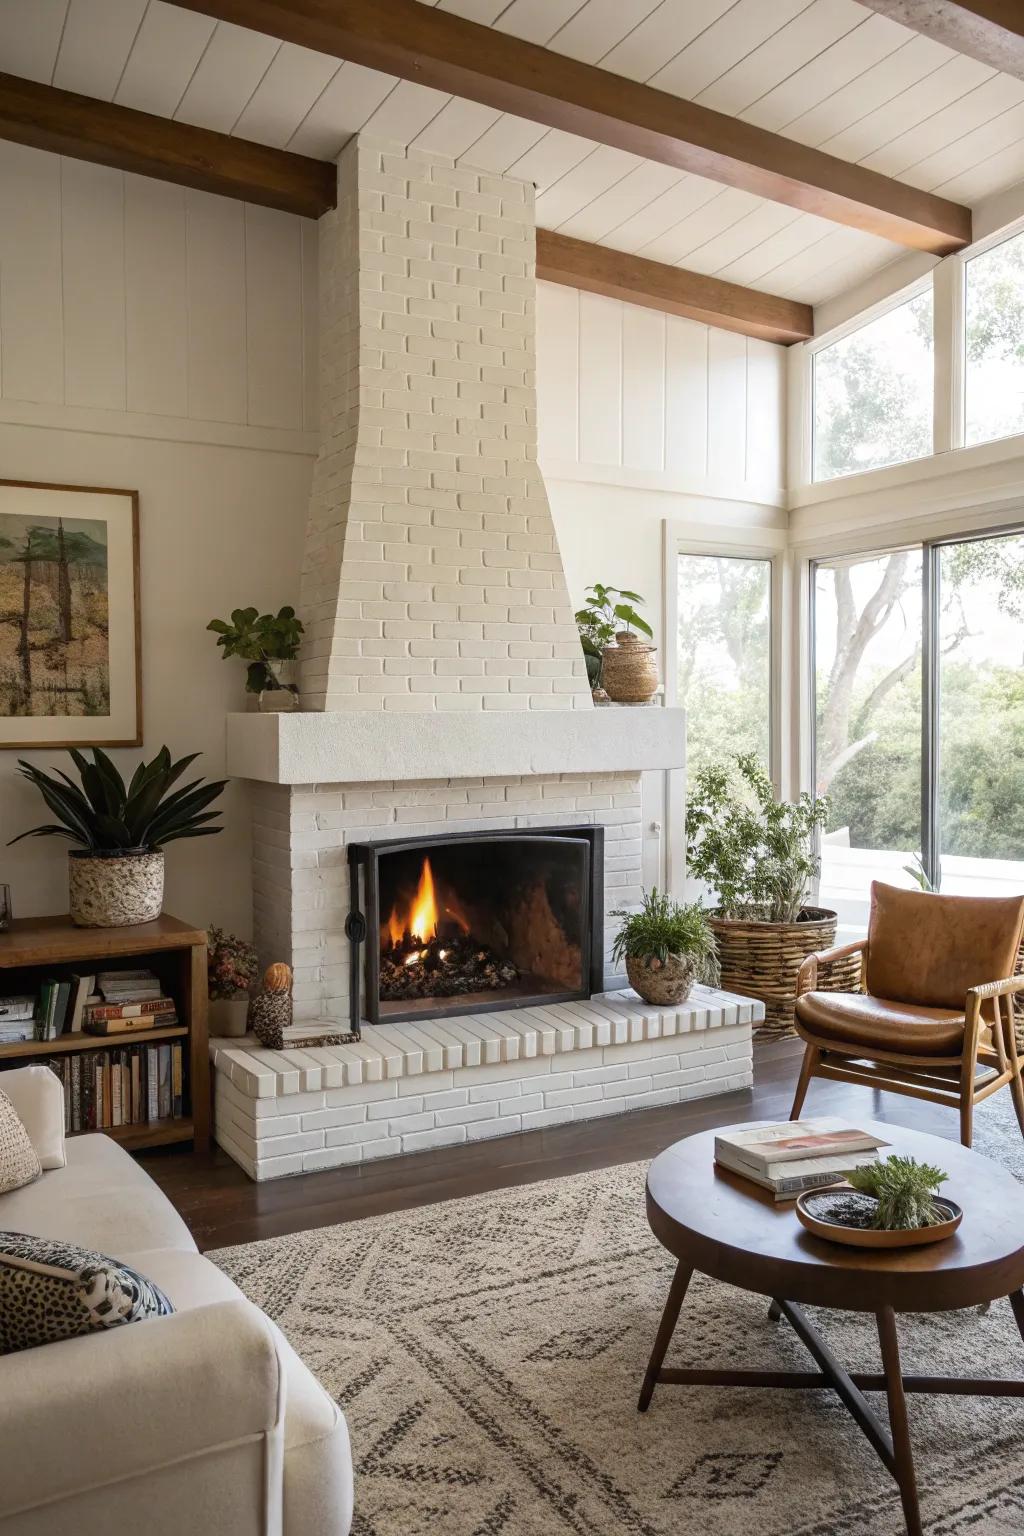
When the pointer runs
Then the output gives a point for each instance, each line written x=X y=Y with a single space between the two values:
x=761 y=959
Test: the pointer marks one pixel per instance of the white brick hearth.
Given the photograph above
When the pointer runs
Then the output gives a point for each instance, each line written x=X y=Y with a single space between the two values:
x=408 y=1087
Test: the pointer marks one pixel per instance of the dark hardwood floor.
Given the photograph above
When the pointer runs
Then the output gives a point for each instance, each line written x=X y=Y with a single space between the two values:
x=223 y=1206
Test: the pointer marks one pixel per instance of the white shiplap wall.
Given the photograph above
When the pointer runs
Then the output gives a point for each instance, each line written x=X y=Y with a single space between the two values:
x=631 y=396
x=122 y=294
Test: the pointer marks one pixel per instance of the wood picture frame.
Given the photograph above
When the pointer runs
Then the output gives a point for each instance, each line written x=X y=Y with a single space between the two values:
x=71 y=655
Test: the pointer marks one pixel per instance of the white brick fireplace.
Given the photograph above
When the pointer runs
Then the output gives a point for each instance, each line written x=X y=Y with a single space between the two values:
x=443 y=685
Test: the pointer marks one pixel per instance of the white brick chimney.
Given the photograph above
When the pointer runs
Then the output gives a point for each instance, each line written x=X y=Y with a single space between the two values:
x=432 y=579
x=433 y=593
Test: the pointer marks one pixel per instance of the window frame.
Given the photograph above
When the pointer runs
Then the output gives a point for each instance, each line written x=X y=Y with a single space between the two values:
x=931 y=552
x=839 y=333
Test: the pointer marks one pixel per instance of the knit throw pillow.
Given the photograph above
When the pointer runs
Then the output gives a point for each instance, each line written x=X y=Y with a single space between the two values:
x=18 y=1161
x=52 y=1290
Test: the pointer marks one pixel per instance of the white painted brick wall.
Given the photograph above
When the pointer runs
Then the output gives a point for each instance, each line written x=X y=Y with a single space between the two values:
x=432 y=578
x=300 y=866
x=687 y=1055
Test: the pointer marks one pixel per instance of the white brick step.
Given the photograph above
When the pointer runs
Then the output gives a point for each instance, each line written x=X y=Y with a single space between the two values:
x=396 y=1051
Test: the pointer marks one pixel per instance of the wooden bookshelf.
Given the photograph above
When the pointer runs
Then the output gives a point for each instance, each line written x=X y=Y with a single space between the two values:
x=35 y=949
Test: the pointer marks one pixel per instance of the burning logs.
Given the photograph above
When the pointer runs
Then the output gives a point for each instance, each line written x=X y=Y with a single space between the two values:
x=442 y=968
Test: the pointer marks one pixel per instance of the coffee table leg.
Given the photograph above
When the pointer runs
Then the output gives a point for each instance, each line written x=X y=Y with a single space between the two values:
x=1017 y=1303
x=903 y=1454
x=666 y=1328
x=775 y=1311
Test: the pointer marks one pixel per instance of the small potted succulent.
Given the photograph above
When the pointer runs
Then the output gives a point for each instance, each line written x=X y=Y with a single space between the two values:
x=232 y=968
x=270 y=645
x=617 y=660
x=116 y=876
x=667 y=946
x=891 y=1203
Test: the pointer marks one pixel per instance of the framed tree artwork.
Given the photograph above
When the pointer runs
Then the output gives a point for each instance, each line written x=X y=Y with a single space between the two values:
x=70 y=670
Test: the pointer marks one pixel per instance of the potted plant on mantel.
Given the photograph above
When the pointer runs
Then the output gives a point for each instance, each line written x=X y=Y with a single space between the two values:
x=756 y=853
x=617 y=660
x=270 y=645
x=667 y=946
x=231 y=969
x=116 y=876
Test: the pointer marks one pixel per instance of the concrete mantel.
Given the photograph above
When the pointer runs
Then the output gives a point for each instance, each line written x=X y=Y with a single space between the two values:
x=328 y=747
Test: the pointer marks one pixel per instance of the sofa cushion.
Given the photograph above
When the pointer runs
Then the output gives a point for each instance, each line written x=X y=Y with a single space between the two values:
x=317 y=1458
x=52 y=1290
x=38 y=1097
x=19 y=1164
x=101 y=1199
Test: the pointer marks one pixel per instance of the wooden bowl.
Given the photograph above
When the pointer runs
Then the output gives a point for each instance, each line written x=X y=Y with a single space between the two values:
x=871 y=1237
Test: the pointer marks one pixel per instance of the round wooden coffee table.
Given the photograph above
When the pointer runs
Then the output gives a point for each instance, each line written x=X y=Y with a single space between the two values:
x=722 y=1226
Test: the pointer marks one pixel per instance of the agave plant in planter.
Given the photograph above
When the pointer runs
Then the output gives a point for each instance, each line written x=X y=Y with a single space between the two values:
x=116 y=875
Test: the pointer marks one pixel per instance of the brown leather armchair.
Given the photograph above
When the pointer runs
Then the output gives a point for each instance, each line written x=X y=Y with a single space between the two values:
x=934 y=1018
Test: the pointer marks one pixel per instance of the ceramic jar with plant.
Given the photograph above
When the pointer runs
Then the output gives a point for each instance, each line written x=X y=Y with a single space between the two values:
x=667 y=946
x=270 y=645
x=757 y=854
x=116 y=874
x=231 y=969
x=617 y=659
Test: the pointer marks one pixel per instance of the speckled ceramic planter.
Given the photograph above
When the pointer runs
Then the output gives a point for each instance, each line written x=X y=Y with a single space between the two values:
x=116 y=890
x=660 y=981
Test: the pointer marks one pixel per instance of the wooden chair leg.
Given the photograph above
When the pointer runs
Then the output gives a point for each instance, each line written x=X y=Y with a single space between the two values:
x=1016 y=1081
x=807 y=1066
x=966 y=1116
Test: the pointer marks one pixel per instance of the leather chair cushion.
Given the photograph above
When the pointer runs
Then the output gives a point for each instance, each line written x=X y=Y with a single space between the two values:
x=930 y=950
x=852 y=1019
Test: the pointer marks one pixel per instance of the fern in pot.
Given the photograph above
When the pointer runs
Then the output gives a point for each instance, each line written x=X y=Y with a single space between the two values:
x=116 y=874
x=667 y=946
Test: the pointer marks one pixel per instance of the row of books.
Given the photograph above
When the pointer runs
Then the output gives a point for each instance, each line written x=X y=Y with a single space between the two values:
x=127 y=1085
x=787 y=1158
x=109 y=1003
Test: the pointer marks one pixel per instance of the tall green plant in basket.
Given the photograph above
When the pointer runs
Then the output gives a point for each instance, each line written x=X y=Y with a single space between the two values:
x=756 y=851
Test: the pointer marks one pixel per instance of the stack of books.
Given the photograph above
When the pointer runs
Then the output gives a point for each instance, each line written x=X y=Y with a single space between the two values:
x=17 y=1020
x=60 y=1006
x=127 y=1000
x=129 y=1085
x=787 y=1158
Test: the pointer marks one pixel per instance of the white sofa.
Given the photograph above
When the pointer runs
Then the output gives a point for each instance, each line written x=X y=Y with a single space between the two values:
x=201 y=1424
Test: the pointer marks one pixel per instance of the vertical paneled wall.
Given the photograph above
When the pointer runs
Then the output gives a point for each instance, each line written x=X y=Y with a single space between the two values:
x=681 y=404
x=119 y=293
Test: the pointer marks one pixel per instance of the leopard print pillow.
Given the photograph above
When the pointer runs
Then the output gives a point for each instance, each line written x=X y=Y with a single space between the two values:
x=18 y=1161
x=52 y=1290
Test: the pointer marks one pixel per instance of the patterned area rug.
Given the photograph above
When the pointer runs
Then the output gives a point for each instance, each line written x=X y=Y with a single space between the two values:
x=488 y=1352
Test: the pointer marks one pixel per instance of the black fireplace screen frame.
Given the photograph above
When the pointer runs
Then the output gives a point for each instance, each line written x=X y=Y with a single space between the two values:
x=364 y=887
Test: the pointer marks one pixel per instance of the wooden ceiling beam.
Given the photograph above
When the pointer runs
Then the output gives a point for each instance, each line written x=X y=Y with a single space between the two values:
x=68 y=124
x=617 y=275
x=440 y=49
x=47 y=118
x=991 y=31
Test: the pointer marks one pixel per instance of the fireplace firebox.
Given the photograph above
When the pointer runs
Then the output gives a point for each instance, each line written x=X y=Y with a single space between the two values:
x=480 y=921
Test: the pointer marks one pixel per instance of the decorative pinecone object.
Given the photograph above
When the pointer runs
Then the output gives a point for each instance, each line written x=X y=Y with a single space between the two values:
x=270 y=1014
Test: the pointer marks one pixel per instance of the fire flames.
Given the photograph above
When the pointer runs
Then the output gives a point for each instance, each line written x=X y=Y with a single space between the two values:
x=423 y=915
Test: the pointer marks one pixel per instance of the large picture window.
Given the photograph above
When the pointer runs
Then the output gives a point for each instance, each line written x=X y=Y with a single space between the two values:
x=872 y=393
x=994 y=342
x=918 y=669
x=724 y=656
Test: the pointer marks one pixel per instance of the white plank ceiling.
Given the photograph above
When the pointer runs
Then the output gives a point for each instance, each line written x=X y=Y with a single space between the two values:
x=827 y=73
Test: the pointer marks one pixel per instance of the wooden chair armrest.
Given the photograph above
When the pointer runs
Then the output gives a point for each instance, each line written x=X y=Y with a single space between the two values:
x=988 y=989
x=807 y=975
